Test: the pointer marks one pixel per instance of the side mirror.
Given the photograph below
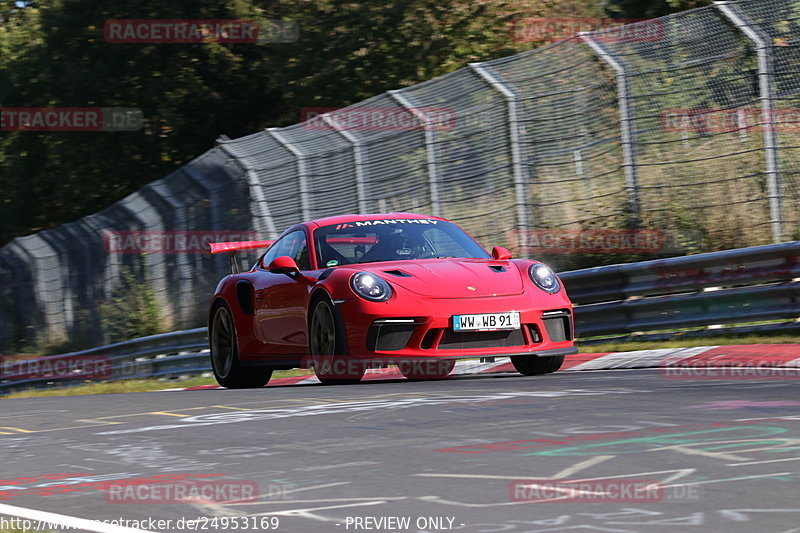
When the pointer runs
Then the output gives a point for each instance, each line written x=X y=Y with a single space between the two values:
x=500 y=253
x=284 y=265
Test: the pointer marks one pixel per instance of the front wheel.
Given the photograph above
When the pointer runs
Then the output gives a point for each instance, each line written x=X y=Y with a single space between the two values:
x=228 y=370
x=534 y=365
x=332 y=365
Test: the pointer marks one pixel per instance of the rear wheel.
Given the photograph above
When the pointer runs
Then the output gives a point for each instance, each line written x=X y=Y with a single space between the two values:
x=434 y=369
x=533 y=365
x=327 y=344
x=228 y=370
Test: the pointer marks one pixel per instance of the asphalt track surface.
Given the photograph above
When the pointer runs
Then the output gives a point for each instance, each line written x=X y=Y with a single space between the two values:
x=724 y=455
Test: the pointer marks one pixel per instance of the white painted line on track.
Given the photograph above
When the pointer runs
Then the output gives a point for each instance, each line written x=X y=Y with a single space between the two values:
x=59 y=521
x=639 y=358
x=616 y=361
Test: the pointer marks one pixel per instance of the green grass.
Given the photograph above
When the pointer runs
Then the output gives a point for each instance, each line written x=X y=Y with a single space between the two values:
x=689 y=342
x=134 y=385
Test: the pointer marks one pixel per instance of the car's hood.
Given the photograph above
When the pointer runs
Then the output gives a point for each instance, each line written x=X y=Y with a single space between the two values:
x=452 y=278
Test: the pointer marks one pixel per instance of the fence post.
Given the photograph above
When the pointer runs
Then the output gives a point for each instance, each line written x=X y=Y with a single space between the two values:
x=430 y=145
x=577 y=158
x=765 y=75
x=301 y=170
x=625 y=122
x=517 y=158
x=263 y=224
x=358 y=160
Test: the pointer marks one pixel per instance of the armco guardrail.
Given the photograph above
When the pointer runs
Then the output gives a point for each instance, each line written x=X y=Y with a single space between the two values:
x=744 y=285
x=176 y=353
x=733 y=286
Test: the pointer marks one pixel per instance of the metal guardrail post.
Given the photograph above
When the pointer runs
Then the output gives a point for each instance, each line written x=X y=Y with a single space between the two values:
x=487 y=74
x=765 y=75
x=264 y=225
x=358 y=159
x=430 y=145
x=577 y=158
x=301 y=170
x=625 y=121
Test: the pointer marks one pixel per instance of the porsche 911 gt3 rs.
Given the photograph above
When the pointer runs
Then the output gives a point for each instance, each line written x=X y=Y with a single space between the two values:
x=346 y=293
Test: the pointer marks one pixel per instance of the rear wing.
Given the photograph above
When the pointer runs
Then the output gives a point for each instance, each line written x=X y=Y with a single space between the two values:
x=220 y=247
x=233 y=247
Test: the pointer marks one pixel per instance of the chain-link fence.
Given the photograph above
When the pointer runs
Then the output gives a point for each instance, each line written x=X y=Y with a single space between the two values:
x=684 y=128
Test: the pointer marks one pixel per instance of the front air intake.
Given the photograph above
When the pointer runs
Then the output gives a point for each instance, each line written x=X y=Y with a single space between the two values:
x=452 y=340
x=389 y=335
x=558 y=325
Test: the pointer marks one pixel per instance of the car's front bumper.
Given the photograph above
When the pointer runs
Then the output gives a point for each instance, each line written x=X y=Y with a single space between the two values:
x=421 y=328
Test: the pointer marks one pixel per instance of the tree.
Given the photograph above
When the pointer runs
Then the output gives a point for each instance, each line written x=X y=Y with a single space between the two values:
x=646 y=9
x=54 y=54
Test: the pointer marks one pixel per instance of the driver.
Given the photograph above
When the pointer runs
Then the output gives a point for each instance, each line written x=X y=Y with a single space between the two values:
x=397 y=245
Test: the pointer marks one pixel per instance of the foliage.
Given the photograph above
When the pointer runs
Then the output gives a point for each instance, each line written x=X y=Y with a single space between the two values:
x=54 y=54
x=645 y=9
x=131 y=312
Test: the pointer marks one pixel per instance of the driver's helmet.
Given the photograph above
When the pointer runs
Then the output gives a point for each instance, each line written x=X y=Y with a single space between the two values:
x=407 y=245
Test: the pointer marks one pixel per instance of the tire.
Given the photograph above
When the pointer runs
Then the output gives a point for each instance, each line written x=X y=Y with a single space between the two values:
x=434 y=369
x=328 y=348
x=533 y=365
x=228 y=370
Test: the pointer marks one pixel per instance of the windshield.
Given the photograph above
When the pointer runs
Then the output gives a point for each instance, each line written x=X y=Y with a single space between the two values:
x=391 y=240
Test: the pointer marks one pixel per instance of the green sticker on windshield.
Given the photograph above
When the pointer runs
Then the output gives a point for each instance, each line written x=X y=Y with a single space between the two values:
x=332 y=263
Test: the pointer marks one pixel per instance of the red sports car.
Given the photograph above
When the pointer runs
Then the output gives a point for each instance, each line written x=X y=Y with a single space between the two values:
x=346 y=293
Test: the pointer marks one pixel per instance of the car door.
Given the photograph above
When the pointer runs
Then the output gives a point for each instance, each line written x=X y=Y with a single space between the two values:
x=280 y=299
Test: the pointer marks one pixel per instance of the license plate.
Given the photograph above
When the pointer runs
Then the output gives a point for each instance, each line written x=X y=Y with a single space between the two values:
x=486 y=322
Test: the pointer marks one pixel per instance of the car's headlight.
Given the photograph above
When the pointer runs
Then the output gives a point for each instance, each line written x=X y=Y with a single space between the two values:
x=544 y=278
x=370 y=287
